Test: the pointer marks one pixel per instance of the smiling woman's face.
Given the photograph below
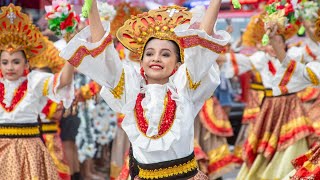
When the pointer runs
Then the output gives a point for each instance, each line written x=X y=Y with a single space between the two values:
x=13 y=65
x=160 y=59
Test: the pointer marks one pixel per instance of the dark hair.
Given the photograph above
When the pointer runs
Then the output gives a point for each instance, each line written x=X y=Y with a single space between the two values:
x=23 y=54
x=44 y=69
x=175 y=45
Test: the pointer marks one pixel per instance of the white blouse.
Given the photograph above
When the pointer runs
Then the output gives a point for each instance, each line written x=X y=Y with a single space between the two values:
x=39 y=85
x=308 y=52
x=193 y=83
x=260 y=61
x=295 y=76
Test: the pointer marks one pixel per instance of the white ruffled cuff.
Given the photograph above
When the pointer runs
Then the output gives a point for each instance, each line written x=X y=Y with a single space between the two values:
x=65 y=94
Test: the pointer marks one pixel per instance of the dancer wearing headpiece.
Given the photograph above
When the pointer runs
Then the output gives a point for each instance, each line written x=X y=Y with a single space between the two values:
x=282 y=126
x=302 y=76
x=178 y=73
x=22 y=97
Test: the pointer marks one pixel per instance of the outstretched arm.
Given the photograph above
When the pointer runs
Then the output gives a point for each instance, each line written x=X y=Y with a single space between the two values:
x=310 y=33
x=66 y=75
x=211 y=16
x=276 y=41
x=96 y=27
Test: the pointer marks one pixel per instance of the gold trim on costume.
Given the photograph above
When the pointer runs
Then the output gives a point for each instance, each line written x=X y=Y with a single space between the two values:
x=19 y=131
x=82 y=51
x=268 y=93
x=61 y=167
x=238 y=151
x=251 y=111
x=49 y=127
x=313 y=77
x=45 y=89
x=118 y=90
x=293 y=124
x=257 y=86
x=218 y=153
x=192 y=85
x=167 y=172
x=270 y=138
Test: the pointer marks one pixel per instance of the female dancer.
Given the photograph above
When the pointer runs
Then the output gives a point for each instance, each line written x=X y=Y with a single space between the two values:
x=22 y=97
x=302 y=75
x=178 y=73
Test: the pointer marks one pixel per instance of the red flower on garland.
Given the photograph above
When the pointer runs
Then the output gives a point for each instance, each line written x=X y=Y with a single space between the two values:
x=288 y=9
x=280 y=7
x=18 y=96
x=167 y=118
x=68 y=22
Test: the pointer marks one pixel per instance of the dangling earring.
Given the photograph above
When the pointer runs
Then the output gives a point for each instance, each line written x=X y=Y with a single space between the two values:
x=143 y=74
x=25 y=72
x=174 y=71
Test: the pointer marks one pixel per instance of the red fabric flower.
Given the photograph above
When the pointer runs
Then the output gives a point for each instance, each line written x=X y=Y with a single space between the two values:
x=67 y=22
x=288 y=9
x=280 y=7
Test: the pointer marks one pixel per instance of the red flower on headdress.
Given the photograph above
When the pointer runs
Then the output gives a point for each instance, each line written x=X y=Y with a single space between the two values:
x=280 y=7
x=288 y=9
x=271 y=1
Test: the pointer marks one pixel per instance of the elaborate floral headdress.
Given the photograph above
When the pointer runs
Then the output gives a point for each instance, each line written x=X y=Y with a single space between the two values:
x=160 y=24
x=18 y=33
x=107 y=12
x=124 y=12
x=254 y=31
x=281 y=12
x=317 y=31
x=49 y=58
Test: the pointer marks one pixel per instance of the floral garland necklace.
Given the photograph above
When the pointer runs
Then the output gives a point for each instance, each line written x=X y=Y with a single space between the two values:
x=18 y=95
x=167 y=117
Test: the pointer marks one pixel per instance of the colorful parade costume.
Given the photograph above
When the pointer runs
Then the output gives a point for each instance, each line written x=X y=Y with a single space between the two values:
x=212 y=127
x=120 y=145
x=22 y=151
x=51 y=136
x=166 y=152
x=279 y=131
x=237 y=64
x=303 y=75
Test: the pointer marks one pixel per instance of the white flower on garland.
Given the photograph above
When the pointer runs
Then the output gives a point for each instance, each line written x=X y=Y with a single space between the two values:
x=106 y=11
x=87 y=150
x=103 y=139
x=307 y=10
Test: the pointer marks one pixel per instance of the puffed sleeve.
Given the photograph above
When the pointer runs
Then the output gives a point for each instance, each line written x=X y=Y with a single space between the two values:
x=236 y=64
x=198 y=77
x=295 y=76
x=46 y=84
x=100 y=61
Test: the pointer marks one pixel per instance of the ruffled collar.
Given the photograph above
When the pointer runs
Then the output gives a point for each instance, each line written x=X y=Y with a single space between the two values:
x=153 y=105
x=10 y=89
